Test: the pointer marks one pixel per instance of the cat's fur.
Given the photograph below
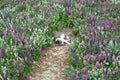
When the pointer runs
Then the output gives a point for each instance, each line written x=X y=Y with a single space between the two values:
x=61 y=38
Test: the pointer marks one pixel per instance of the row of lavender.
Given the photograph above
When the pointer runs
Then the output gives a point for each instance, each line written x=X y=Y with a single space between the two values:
x=95 y=55
x=25 y=29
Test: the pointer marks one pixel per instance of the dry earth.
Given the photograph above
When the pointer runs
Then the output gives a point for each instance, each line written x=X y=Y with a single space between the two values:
x=52 y=64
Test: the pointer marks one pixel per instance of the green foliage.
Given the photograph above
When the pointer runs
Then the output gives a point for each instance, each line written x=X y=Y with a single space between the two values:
x=27 y=67
x=35 y=54
x=26 y=28
x=96 y=29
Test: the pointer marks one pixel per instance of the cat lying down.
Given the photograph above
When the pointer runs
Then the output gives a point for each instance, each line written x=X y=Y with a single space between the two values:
x=61 y=38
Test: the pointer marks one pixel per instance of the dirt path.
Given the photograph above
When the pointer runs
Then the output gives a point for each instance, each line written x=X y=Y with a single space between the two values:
x=52 y=65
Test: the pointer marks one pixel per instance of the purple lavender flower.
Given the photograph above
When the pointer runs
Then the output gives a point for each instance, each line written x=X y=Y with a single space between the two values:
x=113 y=57
x=85 y=62
x=77 y=75
x=22 y=54
x=13 y=35
x=98 y=64
x=21 y=59
x=86 y=57
x=67 y=3
x=99 y=58
x=97 y=49
x=92 y=57
x=104 y=9
x=72 y=50
x=113 y=28
x=1 y=51
x=32 y=3
x=109 y=1
x=50 y=4
x=111 y=54
x=116 y=69
x=94 y=66
x=90 y=42
x=87 y=28
x=105 y=41
x=91 y=18
x=84 y=77
x=84 y=69
x=68 y=11
x=113 y=79
x=103 y=53
x=31 y=57
x=69 y=78
x=87 y=2
x=105 y=72
x=87 y=48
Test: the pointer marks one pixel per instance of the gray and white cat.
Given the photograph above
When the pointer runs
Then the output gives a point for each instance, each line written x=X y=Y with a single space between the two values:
x=61 y=37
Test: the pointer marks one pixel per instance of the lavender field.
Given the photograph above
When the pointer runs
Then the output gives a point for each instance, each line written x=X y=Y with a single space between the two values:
x=26 y=28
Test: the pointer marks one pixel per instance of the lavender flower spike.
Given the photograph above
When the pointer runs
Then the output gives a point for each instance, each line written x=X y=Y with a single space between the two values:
x=1 y=51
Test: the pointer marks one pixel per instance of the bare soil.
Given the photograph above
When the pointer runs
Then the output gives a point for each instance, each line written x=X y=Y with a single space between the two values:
x=53 y=63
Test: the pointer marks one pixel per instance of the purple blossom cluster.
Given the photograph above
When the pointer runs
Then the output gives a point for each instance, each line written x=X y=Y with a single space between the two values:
x=94 y=22
x=25 y=31
x=95 y=53
x=106 y=60
x=79 y=75
x=1 y=52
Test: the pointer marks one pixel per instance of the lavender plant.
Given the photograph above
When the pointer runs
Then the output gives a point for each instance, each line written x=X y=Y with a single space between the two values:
x=25 y=29
x=95 y=52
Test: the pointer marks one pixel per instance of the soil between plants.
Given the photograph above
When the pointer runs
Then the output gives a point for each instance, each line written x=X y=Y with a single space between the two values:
x=53 y=63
